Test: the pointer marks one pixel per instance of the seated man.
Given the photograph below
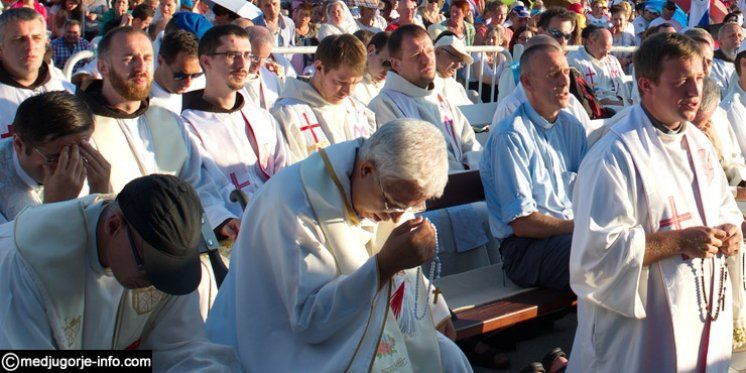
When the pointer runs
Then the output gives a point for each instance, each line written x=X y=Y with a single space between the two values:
x=600 y=69
x=23 y=72
x=177 y=69
x=451 y=55
x=667 y=12
x=528 y=169
x=328 y=281
x=265 y=81
x=375 y=68
x=321 y=112
x=730 y=37
x=734 y=103
x=410 y=92
x=49 y=158
x=131 y=268
x=243 y=140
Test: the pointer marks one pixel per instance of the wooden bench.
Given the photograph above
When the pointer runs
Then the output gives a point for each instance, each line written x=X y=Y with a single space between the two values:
x=466 y=187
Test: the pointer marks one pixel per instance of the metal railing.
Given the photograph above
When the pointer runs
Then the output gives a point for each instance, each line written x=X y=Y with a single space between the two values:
x=481 y=50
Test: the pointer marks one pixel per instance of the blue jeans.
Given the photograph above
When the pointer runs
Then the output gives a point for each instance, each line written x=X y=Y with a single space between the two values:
x=530 y=262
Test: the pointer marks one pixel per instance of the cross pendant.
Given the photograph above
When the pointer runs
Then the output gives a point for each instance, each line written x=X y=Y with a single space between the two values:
x=436 y=292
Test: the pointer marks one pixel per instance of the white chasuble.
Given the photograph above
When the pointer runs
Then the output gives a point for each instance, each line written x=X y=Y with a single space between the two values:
x=402 y=99
x=675 y=314
x=603 y=75
x=309 y=122
x=264 y=89
x=244 y=143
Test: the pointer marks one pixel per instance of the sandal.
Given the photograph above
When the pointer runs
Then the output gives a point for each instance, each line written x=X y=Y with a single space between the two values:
x=490 y=358
x=534 y=368
x=553 y=355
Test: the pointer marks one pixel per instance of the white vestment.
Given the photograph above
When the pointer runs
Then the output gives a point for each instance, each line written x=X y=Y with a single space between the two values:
x=160 y=97
x=402 y=99
x=367 y=89
x=303 y=289
x=452 y=89
x=603 y=75
x=264 y=89
x=735 y=106
x=732 y=160
x=12 y=94
x=635 y=181
x=508 y=106
x=309 y=122
x=722 y=73
x=81 y=305
x=244 y=142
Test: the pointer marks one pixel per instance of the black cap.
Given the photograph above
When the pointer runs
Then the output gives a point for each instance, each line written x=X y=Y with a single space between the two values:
x=670 y=5
x=167 y=214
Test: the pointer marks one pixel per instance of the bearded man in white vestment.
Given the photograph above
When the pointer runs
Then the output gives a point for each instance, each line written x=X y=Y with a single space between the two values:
x=49 y=158
x=654 y=224
x=178 y=67
x=316 y=114
x=131 y=266
x=730 y=36
x=242 y=140
x=410 y=92
x=23 y=72
x=322 y=279
x=262 y=85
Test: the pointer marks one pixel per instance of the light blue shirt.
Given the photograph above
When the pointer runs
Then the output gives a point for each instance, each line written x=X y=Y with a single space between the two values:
x=529 y=165
x=286 y=36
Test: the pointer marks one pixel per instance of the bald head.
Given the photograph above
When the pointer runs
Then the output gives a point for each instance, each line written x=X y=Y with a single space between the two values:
x=599 y=43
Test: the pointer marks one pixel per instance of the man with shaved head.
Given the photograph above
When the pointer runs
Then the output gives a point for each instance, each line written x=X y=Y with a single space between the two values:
x=264 y=84
x=601 y=70
x=527 y=169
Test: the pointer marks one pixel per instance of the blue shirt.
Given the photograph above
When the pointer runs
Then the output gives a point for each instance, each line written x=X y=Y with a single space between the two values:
x=529 y=165
x=286 y=36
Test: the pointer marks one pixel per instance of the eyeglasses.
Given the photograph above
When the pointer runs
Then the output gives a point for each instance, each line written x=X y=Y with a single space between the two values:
x=232 y=55
x=183 y=76
x=387 y=209
x=138 y=258
x=454 y=57
x=557 y=34
x=50 y=160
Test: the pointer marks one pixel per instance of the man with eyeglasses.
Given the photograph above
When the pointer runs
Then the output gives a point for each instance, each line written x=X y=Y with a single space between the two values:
x=528 y=168
x=451 y=55
x=322 y=278
x=263 y=85
x=48 y=158
x=601 y=70
x=178 y=67
x=321 y=112
x=241 y=139
x=376 y=67
x=410 y=92
x=105 y=273
x=23 y=72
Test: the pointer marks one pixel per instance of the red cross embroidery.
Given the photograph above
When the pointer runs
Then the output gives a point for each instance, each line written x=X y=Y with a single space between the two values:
x=236 y=183
x=590 y=76
x=704 y=156
x=675 y=220
x=310 y=127
x=7 y=134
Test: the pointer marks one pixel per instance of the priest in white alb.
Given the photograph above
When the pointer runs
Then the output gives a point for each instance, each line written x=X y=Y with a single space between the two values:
x=376 y=66
x=656 y=231
x=409 y=92
x=262 y=85
x=321 y=112
x=23 y=72
x=242 y=140
x=734 y=103
x=178 y=71
x=323 y=280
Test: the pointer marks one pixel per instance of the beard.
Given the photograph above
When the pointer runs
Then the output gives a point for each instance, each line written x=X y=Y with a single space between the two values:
x=237 y=79
x=127 y=88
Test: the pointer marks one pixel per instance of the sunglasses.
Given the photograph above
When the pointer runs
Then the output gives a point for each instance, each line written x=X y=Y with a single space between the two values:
x=183 y=76
x=557 y=34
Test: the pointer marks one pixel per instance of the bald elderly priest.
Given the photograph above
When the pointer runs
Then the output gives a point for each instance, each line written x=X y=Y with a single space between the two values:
x=321 y=280
x=103 y=273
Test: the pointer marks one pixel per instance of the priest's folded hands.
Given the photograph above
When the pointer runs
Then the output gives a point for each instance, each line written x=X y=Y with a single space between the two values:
x=705 y=242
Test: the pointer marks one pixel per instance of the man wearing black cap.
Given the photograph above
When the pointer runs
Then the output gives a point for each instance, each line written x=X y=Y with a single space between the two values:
x=103 y=273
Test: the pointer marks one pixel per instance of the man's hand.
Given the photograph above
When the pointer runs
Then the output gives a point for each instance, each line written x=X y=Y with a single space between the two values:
x=701 y=242
x=66 y=180
x=97 y=169
x=733 y=239
x=409 y=245
x=229 y=229
x=446 y=327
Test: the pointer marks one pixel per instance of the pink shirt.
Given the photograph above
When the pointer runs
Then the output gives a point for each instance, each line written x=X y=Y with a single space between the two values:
x=37 y=7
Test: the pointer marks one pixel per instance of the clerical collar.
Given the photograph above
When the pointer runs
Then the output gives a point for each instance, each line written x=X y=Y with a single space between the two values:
x=41 y=79
x=659 y=125
x=194 y=101
x=94 y=97
x=722 y=56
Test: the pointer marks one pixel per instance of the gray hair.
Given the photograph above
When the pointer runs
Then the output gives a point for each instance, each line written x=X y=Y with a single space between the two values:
x=261 y=35
x=20 y=14
x=700 y=36
x=710 y=95
x=411 y=150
